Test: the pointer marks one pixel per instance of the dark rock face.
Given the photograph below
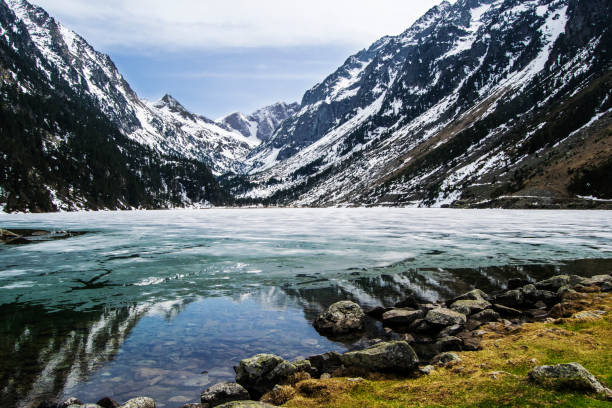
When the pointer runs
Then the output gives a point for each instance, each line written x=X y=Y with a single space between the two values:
x=572 y=375
x=396 y=356
x=261 y=123
x=224 y=392
x=341 y=318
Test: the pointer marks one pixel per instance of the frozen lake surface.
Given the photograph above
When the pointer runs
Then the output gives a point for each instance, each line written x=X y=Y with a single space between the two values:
x=164 y=303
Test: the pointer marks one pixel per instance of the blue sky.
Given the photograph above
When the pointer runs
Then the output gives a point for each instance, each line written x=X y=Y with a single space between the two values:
x=218 y=57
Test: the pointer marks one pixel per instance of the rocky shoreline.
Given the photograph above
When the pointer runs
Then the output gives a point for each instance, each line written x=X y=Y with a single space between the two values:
x=418 y=338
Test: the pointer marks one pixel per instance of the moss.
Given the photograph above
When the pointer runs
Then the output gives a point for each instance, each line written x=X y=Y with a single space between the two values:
x=471 y=383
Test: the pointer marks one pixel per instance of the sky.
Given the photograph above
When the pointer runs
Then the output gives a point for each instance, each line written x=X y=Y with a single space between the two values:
x=222 y=56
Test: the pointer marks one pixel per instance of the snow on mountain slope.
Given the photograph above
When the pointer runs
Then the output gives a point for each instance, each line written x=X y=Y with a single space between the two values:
x=455 y=101
x=168 y=129
x=261 y=124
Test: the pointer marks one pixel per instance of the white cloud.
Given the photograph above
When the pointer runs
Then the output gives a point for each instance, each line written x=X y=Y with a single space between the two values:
x=209 y=24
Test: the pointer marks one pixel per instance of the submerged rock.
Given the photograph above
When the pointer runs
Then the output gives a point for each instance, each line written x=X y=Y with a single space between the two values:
x=341 y=318
x=259 y=374
x=224 y=392
x=444 y=317
x=572 y=375
x=395 y=356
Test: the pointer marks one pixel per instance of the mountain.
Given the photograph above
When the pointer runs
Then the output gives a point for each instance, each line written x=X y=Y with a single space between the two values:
x=479 y=103
x=261 y=124
x=70 y=136
x=164 y=126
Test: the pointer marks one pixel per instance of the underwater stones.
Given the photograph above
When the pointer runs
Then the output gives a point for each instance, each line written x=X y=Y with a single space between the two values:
x=395 y=356
x=139 y=402
x=401 y=317
x=341 y=318
x=444 y=317
x=572 y=375
x=224 y=392
x=260 y=373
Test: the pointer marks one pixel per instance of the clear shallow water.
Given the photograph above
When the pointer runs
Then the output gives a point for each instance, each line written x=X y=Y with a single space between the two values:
x=147 y=301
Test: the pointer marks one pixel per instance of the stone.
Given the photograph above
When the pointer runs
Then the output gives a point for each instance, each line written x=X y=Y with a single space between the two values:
x=420 y=326
x=195 y=405
x=139 y=402
x=395 y=356
x=108 y=403
x=598 y=280
x=564 y=309
x=305 y=366
x=443 y=359
x=449 y=343
x=224 y=392
x=475 y=294
x=587 y=315
x=70 y=401
x=572 y=375
x=506 y=311
x=587 y=288
x=377 y=312
x=341 y=318
x=426 y=370
x=401 y=317
x=444 y=317
x=259 y=374
x=516 y=283
x=468 y=307
x=325 y=363
x=246 y=404
x=450 y=330
x=554 y=283
x=486 y=316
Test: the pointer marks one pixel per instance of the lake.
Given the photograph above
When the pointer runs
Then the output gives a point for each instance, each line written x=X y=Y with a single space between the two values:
x=165 y=303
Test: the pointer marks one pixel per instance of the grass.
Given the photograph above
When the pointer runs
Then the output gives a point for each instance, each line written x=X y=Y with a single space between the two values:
x=470 y=383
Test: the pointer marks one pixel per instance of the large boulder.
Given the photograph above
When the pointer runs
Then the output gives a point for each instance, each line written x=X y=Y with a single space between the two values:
x=475 y=294
x=395 y=356
x=527 y=296
x=259 y=374
x=468 y=306
x=401 y=317
x=572 y=375
x=224 y=392
x=341 y=318
x=444 y=317
x=140 y=402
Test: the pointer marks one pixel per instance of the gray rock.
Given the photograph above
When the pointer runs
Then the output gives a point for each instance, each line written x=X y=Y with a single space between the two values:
x=246 y=404
x=445 y=358
x=604 y=281
x=326 y=363
x=507 y=311
x=449 y=343
x=224 y=392
x=341 y=318
x=395 y=356
x=305 y=366
x=426 y=370
x=260 y=373
x=398 y=317
x=444 y=317
x=450 y=330
x=70 y=401
x=554 y=283
x=475 y=294
x=572 y=375
x=468 y=307
x=487 y=316
x=139 y=402
x=195 y=405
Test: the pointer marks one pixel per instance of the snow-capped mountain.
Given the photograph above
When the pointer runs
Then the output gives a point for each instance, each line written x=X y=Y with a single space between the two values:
x=261 y=124
x=477 y=101
x=165 y=126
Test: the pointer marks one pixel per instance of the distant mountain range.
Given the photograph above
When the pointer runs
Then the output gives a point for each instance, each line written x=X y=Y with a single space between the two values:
x=481 y=103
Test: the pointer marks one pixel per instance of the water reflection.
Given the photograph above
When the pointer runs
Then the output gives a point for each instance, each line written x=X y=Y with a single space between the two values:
x=172 y=350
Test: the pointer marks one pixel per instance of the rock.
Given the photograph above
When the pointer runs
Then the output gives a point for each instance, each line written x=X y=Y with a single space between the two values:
x=572 y=375
x=443 y=359
x=587 y=288
x=444 y=317
x=396 y=356
x=224 y=392
x=139 y=402
x=554 y=283
x=246 y=404
x=506 y=311
x=426 y=370
x=325 y=376
x=468 y=307
x=108 y=403
x=450 y=331
x=420 y=326
x=195 y=405
x=486 y=316
x=426 y=307
x=259 y=374
x=449 y=343
x=475 y=294
x=401 y=317
x=326 y=363
x=602 y=281
x=470 y=341
x=70 y=401
x=305 y=366
x=473 y=324
x=564 y=309
x=526 y=296
x=516 y=283
x=587 y=315
x=341 y=318
x=377 y=312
